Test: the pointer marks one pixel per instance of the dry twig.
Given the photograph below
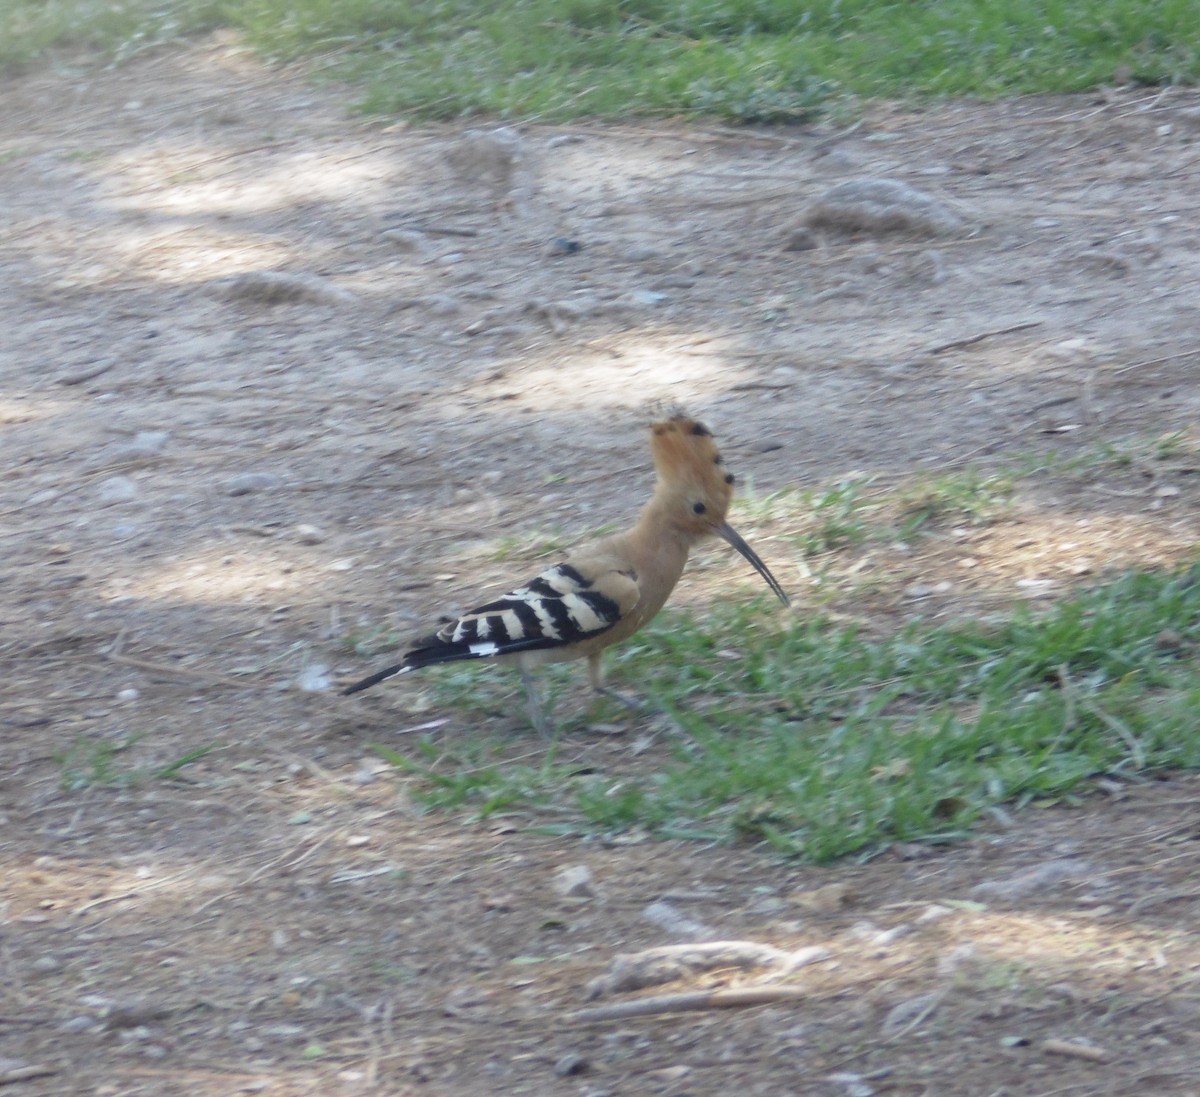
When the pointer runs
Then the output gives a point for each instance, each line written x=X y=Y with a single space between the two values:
x=736 y=997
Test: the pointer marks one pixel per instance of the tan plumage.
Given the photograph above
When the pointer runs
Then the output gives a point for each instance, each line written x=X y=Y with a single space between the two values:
x=603 y=593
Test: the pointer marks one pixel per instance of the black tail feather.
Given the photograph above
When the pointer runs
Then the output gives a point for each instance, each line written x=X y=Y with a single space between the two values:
x=375 y=679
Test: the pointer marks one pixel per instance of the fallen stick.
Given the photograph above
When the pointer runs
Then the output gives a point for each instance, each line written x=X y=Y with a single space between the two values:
x=653 y=966
x=737 y=997
x=1076 y=1051
x=24 y=1074
x=971 y=340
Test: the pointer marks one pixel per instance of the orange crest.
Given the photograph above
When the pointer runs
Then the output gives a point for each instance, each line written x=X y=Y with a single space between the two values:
x=687 y=460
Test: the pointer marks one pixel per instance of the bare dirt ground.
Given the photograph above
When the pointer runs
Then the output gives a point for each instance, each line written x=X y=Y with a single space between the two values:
x=205 y=489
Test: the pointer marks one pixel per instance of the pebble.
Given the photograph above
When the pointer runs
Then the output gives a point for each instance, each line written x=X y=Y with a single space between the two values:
x=647 y=298
x=1039 y=878
x=643 y=253
x=273 y=287
x=442 y=304
x=799 y=238
x=309 y=535
x=136 y=1014
x=676 y=923
x=79 y=1024
x=128 y=694
x=880 y=206
x=924 y=590
x=246 y=482
x=405 y=240
x=574 y=882
x=46 y=965
x=1037 y=587
x=489 y=156
x=824 y=900
x=570 y=1064
x=116 y=489
x=314 y=678
x=86 y=371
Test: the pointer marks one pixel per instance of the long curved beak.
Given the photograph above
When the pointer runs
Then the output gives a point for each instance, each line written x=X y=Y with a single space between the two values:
x=728 y=533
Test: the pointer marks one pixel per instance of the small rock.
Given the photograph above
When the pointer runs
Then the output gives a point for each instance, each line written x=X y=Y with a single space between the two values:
x=643 y=253
x=404 y=240
x=128 y=694
x=910 y=1014
x=959 y=959
x=1168 y=641
x=570 y=1065
x=144 y=446
x=488 y=156
x=78 y=1024
x=676 y=923
x=574 y=882
x=442 y=304
x=1039 y=588
x=1039 y=878
x=799 y=238
x=854 y=1084
x=273 y=287
x=135 y=1014
x=879 y=206
x=246 y=482
x=314 y=678
x=46 y=965
x=560 y=315
x=86 y=371
x=309 y=535
x=825 y=900
x=561 y=245
x=116 y=489
x=646 y=298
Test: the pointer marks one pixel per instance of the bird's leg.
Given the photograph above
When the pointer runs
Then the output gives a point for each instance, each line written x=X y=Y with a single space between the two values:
x=596 y=678
x=537 y=711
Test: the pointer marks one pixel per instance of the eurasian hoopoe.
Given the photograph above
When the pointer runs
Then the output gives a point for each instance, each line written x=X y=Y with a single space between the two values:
x=605 y=592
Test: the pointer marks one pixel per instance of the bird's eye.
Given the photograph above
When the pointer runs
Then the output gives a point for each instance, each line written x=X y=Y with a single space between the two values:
x=698 y=508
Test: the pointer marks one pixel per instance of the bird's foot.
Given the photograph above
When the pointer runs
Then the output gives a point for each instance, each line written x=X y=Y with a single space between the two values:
x=634 y=704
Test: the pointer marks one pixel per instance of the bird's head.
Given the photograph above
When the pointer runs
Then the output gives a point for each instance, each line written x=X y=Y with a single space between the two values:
x=695 y=488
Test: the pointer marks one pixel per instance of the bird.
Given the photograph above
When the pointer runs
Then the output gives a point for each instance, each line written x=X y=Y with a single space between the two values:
x=605 y=591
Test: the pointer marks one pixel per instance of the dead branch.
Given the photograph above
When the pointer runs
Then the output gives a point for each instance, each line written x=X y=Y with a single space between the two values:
x=24 y=1074
x=1076 y=1051
x=636 y=970
x=971 y=340
x=731 y=998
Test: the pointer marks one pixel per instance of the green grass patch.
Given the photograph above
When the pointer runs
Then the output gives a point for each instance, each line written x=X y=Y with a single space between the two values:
x=744 y=60
x=89 y=762
x=803 y=734
x=969 y=496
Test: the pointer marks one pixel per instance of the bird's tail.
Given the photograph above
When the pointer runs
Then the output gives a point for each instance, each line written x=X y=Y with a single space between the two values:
x=377 y=677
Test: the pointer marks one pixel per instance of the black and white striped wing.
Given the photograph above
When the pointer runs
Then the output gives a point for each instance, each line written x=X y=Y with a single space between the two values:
x=562 y=606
